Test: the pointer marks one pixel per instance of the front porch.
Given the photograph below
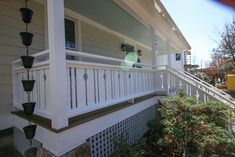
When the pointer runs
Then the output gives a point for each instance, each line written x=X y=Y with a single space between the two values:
x=100 y=95
x=84 y=67
x=90 y=86
x=85 y=85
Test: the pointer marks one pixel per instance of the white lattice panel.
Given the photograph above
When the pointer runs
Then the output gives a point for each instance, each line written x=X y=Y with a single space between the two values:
x=132 y=128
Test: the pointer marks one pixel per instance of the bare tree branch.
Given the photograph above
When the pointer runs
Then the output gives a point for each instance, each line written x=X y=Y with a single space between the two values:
x=226 y=45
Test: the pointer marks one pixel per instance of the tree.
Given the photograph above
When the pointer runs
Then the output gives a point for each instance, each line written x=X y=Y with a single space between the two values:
x=226 y=44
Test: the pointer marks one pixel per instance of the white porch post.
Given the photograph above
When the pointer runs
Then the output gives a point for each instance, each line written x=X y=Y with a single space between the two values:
x=169 y=53
x=56 y=39
x=154 y=46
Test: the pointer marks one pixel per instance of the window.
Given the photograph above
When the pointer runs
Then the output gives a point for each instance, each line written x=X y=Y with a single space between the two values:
x=129 y=48
x=69 y=34
x=177 y=56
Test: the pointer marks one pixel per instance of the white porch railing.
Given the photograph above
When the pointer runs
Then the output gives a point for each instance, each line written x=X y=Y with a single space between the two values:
x=104 y=81
x=202 y=91
x=94 y=85
x=90 y=85
x=40 y=93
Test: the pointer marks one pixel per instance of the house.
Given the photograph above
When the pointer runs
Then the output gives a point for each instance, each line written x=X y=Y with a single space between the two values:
x=86 y=89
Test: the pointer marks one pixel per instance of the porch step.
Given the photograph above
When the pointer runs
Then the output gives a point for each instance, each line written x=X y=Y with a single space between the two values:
x=83 y=118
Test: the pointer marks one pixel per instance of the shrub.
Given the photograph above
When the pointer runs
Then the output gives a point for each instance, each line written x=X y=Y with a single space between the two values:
x=186 y=128
x=192 y=128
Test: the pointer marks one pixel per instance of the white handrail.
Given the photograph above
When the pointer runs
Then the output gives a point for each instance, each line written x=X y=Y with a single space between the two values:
x=34 y=55
x=90 y=64
x=201 y=82
x=36 y=66
x=227 y=98
x=78 y=53
x=204 y=82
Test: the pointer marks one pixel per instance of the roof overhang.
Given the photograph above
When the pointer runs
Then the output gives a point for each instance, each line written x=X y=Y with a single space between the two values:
x=153 y=14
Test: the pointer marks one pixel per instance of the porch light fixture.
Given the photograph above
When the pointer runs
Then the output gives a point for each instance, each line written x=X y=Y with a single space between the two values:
x=139 y=52
x=123 y=47
x=177 y=56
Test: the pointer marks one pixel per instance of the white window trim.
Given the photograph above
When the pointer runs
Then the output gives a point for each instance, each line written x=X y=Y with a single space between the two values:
x=77 y=31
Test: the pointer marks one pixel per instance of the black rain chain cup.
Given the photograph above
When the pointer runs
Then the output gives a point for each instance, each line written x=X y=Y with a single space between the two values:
x=28 y=84
x=26 y=14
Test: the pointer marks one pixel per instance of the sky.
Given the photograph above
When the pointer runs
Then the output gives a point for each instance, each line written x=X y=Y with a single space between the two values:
x=200 y=21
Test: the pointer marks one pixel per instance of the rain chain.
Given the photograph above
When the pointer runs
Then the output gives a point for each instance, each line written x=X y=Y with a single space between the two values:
x=28 y=84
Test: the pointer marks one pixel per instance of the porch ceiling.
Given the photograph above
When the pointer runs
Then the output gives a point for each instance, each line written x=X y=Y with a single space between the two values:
x=145 y=11
x=110 y=15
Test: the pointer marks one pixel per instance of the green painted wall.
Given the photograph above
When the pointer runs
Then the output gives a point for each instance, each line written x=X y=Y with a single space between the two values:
x=109 y=14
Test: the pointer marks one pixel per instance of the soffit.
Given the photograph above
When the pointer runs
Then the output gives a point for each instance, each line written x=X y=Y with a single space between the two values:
x=145 y=11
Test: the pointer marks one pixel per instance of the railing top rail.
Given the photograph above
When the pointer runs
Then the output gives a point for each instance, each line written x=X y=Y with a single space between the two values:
x=78 y=53
x=106 y=66
x=34 y=55
x=36 y=66
x=201 y=82
x=204 y=82
x=214 y=90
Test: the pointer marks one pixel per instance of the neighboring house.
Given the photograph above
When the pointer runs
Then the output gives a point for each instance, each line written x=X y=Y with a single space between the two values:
x=85 y=92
